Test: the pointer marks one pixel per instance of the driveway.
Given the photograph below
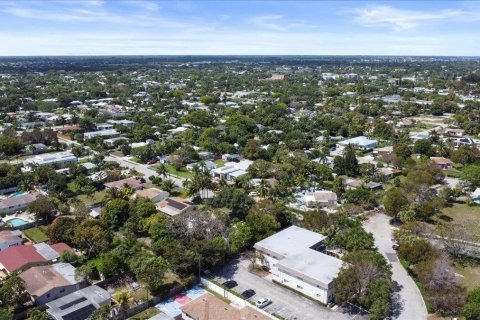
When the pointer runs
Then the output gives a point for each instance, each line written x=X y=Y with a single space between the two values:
x=408 y=303
x=286 y=303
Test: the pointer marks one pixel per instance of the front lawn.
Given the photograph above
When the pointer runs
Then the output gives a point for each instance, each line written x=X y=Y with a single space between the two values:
x=37 y=235
x=183 y=173
x=462 y=214
x=468 y=271
x=147 y=314
x=98 y=197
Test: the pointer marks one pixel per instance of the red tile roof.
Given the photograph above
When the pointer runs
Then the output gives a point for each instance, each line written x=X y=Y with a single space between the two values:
x=14 y=258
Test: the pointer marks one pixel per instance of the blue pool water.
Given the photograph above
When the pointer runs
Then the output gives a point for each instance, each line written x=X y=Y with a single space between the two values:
x=16 y=194
x=16 y=222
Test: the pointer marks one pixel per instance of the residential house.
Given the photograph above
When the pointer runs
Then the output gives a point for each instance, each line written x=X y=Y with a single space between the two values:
x=293 y=258
x=208 y=165
x=136 y=183
x=153 y=194
x=78 y=305
x=322 y=198
x=18 y=203
x=24 y=256
x=10 y=238
x=36 y=148
x=48 y=283
x=454 y=132
x=232 y=170
x=442 y=162
x=209 y=307
x=175 y=206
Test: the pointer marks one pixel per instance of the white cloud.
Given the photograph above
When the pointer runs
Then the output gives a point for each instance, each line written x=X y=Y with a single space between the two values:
x=400 y=19
x=270 y=22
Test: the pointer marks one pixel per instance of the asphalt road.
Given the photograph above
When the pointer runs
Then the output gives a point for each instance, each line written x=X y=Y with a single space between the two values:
x=408 y=301
x=285 y=303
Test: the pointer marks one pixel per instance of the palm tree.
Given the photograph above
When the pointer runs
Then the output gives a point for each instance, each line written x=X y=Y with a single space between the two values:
x=263 y=189
x=112 y=193
x=161 y=169
x=123 y=299
x=168 y=185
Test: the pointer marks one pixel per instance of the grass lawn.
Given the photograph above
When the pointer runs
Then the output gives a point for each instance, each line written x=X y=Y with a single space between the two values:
x=180 y=192
x=98 y=196
x=36 y=234
x=462 y=214
x=117 y=153
x=147 y=314
x=219 y=163
x=183 y=173
x=469 y=275
x=72 y=187
x=452 y=172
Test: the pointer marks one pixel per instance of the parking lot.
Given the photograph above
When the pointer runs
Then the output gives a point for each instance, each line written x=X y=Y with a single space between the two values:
x=285 y=303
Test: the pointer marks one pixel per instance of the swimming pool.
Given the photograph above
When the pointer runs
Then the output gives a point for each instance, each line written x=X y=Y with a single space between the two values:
x=17 y=222
x=16 y=194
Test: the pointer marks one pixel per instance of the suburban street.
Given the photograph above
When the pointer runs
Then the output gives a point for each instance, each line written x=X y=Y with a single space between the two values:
x=408 y=302
x=285 y=303
x=143 y=168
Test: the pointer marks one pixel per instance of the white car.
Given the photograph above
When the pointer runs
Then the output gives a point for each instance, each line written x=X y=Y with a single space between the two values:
x=253 y=194
x=262 y=303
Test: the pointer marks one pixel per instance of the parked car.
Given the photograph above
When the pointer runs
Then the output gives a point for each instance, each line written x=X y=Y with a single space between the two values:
x=262 y=303
x=230 y=284
x=253 y=194
x=395 y=246
x=153 y=161
x=248 y=293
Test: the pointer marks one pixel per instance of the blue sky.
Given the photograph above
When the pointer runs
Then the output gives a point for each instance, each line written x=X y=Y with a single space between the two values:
x=103 y=27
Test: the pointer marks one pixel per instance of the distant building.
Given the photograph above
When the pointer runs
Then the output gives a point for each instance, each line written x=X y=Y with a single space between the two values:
x=47 y=283
x=454 y=132
x=60 y=159
x=360 y=142
x=293 y=259
x=442 y=162
x=110 y=133
x=78 y=305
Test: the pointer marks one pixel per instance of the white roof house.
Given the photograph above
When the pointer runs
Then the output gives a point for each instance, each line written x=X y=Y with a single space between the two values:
x=101 y=133
x=323 y=198
x=232 y=170
x=60 y=158
x=293 y=258
x=361 y=142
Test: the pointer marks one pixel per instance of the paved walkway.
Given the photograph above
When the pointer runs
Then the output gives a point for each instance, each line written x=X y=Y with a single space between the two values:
x=408 y=301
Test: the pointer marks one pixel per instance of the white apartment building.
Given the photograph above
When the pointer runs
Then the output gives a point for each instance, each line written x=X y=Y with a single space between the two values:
x=293 y=259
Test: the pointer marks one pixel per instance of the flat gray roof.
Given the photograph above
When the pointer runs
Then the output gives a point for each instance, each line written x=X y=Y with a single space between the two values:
x=313 y=265
x=69 y=304
x=290 y=241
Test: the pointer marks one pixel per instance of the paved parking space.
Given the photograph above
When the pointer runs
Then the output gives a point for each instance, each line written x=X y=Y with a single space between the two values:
x=285 y=303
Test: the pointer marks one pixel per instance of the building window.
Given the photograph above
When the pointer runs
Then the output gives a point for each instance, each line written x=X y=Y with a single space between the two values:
x=48 y=295
x=299 y=287
x=285 y=280
x=62 y=290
